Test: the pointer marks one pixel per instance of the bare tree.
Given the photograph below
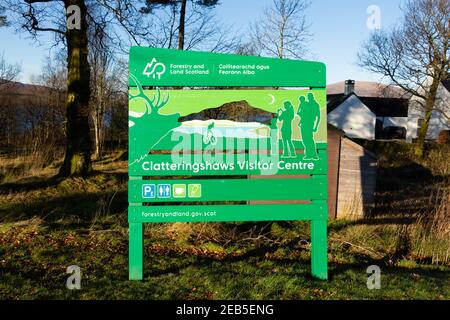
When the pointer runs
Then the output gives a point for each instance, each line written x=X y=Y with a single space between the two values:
x=3 y=21
x=282 y=31
x=414 y=55
x=101 y=59
x=178 y=8
x=246 y=49
x=54 y=77
x=188 y=25
x=116 y=123
x=8 y=123
x=36 y=16
x=8 y=72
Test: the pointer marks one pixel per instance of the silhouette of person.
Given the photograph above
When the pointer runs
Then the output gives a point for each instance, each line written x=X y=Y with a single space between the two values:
x=309 y=113
x=286 y=116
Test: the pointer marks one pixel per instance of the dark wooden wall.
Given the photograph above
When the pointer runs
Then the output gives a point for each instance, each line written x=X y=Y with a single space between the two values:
x=334 y=149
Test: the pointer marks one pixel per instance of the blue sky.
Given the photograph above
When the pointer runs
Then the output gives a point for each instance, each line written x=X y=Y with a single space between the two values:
x=338 y=26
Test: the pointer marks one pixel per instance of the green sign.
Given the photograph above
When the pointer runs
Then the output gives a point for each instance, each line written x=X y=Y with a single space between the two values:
x=162 y=67
x=194 y=140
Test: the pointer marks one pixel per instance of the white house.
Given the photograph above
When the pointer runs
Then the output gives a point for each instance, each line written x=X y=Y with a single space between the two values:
x=438 y=121
x=354 y=118
x=364 y=109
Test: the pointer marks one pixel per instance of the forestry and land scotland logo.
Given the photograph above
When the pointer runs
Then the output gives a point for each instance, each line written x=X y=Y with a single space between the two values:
x=154 y=69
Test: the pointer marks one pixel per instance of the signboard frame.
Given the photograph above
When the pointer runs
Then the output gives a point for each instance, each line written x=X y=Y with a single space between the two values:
x=178 y=162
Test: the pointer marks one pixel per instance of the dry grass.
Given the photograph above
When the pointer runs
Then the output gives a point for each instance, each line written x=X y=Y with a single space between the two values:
x=45 y=164
x=426 y=239
x=193 y=232
x=36 y=160
x=431 y=233
x=411 y=223
x=12 y=169
x=416 y=192
x=44 y=228
x=437 y=159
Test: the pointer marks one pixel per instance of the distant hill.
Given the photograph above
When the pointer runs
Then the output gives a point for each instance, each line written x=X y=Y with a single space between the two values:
x=17 y=93
x=239 y=111
x=19 y=88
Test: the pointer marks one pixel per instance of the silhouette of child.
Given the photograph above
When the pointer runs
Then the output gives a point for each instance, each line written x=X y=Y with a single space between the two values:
x=286 y=115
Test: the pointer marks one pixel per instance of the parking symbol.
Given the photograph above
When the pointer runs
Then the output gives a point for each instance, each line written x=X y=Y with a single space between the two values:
x=148 y=191
x=164 y=190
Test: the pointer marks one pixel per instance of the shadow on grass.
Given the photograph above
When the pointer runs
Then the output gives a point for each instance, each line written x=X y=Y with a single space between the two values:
x=35 y=183
x=405 y=190
x=376 y=221
x=82 y=207
x=235 y=268
x=30 y=184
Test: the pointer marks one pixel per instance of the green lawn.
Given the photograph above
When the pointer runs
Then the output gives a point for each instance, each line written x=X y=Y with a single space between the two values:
x=47 y=225
x=34 y=259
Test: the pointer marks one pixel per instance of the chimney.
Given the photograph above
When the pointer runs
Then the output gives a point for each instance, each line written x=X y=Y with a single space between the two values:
x=349 y=87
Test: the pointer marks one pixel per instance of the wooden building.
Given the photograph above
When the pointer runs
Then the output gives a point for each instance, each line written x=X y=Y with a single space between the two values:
x=352 y=175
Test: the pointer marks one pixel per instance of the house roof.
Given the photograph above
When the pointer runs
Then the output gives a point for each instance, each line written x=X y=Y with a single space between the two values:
x=335 y=101
x=387 y=107
x=381 y=107
x=368 y=89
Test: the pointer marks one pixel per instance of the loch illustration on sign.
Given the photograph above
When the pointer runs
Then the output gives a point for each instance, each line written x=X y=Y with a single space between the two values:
x=202 y=124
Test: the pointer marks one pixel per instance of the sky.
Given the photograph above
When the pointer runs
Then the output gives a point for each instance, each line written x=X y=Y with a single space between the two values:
x=338 y=27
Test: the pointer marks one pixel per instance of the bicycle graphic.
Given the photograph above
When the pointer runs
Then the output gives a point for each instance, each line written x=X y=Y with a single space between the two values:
x=210 y=136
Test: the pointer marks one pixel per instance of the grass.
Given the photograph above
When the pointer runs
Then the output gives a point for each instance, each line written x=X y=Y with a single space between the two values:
x=47 y=225
x=35 y=257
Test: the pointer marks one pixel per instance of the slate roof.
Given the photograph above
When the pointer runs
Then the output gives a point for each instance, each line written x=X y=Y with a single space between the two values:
x=382 y=100
x=368 y=89
x=381 y=107
x=335 y=101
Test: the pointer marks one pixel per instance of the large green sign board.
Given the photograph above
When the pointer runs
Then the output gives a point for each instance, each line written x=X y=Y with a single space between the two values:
x=216 y=137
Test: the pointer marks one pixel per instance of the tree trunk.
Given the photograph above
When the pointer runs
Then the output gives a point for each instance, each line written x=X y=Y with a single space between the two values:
x=77 y=160
x=181 y=25
x=429 y=106
x=97 y=120
x=96 y=138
